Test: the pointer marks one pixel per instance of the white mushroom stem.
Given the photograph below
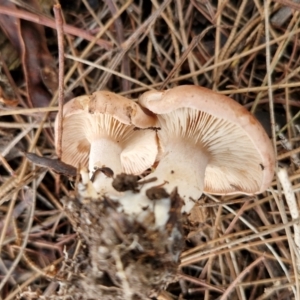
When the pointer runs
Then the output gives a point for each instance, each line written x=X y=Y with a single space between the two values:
x=183 y=166
x=104 y=152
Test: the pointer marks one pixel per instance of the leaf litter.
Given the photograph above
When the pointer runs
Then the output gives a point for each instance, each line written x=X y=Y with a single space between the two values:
x=235 y=246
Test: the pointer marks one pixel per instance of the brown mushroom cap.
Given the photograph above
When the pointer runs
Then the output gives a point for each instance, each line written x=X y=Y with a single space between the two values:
x=240 y=155
x=111 y=117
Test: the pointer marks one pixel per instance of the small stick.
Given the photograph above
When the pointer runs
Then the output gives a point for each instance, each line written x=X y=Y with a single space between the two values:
x=240 y=277
x=25 y=15
x=120 y=38
x=56 y=165
x=292 y=204
x=290 y=4
x=201 y=282
x=195 y=41
x=60 y=40
x=7 y=166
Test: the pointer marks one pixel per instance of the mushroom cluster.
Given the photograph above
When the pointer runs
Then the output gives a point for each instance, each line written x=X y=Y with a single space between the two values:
x=99 y=133
x=204 y=142
x=194 y=139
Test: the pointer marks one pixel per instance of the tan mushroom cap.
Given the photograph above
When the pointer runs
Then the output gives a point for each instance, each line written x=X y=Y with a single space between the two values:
x=240 y=154
x=105 y=102
x=114 y=118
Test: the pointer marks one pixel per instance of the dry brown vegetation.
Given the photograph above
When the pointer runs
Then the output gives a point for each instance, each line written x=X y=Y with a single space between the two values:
x=237 y=247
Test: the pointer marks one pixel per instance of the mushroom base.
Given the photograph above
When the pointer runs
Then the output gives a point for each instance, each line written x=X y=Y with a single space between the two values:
x=122 y=258
x=183 y=166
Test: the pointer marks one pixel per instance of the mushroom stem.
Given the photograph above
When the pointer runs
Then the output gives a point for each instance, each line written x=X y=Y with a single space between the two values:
x=182 y=166
x=105 y=152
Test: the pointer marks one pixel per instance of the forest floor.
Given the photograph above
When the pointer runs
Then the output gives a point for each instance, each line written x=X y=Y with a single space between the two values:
x=238 y=247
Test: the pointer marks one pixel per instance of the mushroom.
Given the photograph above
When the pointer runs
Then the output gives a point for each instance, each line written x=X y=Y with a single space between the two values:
x=99 y=132
x=210 y=143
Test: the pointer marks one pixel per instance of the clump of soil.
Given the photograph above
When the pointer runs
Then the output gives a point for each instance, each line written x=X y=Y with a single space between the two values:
x=120 y=257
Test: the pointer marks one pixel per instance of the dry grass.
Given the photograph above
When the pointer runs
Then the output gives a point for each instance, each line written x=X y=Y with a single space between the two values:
x=240 y=246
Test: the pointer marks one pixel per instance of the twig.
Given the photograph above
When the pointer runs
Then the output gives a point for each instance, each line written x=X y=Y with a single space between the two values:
x=25 y=240
x=185 y=39
x=292 y=204
x=192 y=258
x=11 y=81
x=25 y=15
x=289 y=3
x=107 y=71
x=287 y=145
x=281 y=16
x=28 y=111
x=206 y=68
x=197 y=39
x=232 y=35
x=60 y=40
x=7 y=166
x=143 y=29
x=31 y=279
x=89 y=47
x=55 y=164
x=120 y=38
x=240 y=277
x=201 y=282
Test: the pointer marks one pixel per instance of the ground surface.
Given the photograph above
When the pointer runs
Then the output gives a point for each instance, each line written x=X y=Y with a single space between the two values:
x=240 y=246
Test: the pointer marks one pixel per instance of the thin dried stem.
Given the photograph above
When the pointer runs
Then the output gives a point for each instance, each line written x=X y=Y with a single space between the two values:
x=61 y=71
x=241 y=275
